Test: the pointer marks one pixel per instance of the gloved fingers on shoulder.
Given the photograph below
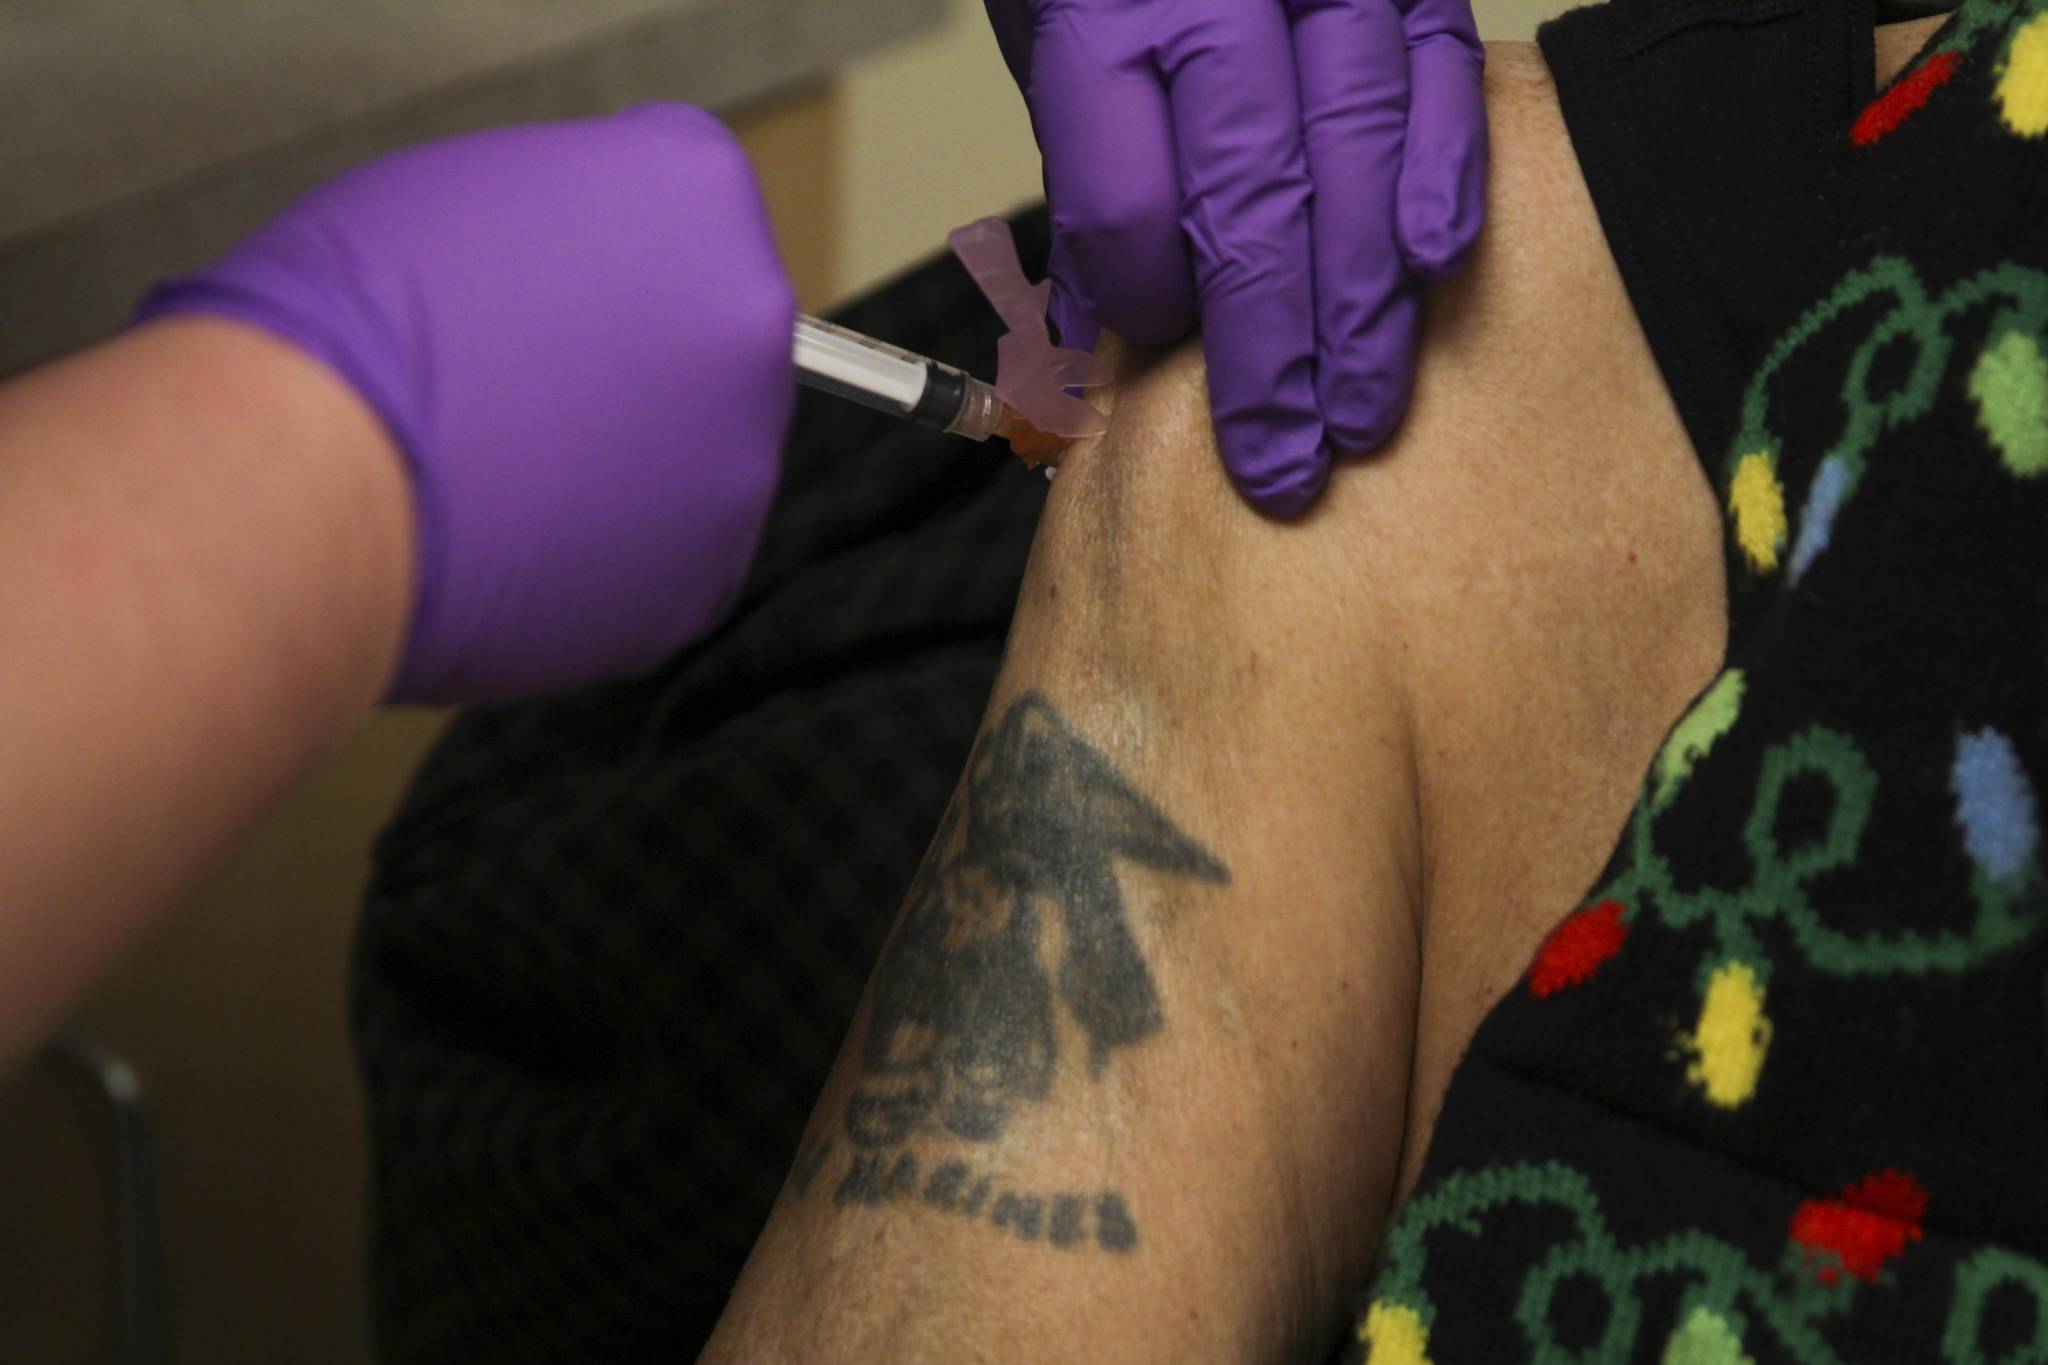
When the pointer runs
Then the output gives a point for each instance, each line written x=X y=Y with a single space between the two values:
x=1072 y=326
x=1365 y=376
x=1107 y=140
x=1012 y=21
x=1353 y=64
x=1441 y=205
x=1277 y=470
x=1271 y=438
x=1245 y=182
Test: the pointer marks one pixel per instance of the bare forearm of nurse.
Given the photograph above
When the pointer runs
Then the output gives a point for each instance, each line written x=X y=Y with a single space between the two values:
x=206 y=543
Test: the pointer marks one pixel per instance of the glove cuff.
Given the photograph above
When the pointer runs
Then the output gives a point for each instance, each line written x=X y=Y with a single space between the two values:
x=302 y=305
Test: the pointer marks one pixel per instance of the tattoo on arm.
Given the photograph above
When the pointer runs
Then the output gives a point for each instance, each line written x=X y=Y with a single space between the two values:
x=968 y=990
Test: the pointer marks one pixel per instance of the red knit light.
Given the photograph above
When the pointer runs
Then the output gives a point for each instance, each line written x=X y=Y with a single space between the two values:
x=1576 y=948
x=1897 y=104
x=1868 y=1224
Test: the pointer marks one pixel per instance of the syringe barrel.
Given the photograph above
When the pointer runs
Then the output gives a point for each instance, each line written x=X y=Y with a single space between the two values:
x=836 y=360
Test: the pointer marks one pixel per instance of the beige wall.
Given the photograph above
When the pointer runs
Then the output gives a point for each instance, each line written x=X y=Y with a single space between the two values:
x=935 y=135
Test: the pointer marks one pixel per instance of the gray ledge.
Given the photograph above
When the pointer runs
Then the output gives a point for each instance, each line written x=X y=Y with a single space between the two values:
x=144 y=136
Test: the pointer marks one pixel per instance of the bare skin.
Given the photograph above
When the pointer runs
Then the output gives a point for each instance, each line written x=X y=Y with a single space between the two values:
x=206 y=539
x=1336 y=779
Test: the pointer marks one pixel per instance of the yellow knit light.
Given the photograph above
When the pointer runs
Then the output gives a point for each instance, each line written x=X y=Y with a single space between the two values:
x=2023 y=84
x=1757 y=503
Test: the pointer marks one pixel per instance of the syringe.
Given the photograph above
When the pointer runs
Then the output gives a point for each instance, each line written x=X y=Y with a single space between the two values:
x=835 y=360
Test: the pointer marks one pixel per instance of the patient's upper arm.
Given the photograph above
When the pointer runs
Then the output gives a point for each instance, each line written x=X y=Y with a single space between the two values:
x=1530 y=572
x=1401 y=730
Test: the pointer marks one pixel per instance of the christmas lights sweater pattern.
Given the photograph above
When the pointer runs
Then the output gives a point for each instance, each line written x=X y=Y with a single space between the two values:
x=1778 y=1091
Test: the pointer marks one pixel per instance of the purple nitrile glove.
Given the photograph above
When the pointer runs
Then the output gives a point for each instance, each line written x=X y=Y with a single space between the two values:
x=579 y=336
x=1288 y=168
